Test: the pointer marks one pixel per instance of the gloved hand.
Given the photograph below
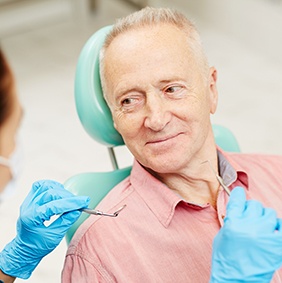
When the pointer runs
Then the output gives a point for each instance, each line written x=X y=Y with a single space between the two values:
x=33 y=240
x=248 y=248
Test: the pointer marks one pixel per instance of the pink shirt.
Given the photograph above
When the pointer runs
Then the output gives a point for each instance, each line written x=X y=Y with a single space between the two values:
x=159 y=237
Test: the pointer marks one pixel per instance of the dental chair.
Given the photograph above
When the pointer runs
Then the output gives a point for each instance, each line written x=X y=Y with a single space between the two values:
x=96 y=119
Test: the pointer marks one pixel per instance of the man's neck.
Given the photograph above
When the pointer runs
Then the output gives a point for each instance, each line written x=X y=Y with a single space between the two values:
x=196 y=183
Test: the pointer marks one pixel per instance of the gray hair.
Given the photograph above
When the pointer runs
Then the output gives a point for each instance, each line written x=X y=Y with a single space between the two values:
x=153 y=16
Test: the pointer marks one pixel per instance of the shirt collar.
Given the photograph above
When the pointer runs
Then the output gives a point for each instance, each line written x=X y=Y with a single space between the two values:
x=158 y=197
x=162 y=201
x=230 y=171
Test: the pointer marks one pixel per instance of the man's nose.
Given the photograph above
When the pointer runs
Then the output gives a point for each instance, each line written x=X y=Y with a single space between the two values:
x=157 y=112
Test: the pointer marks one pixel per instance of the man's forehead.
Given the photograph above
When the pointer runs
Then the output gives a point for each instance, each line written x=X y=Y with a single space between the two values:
x=147 y=34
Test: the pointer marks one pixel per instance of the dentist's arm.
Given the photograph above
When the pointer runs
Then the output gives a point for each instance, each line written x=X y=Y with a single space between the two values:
x=6 y=278
x=248 y=248
x=34 y=240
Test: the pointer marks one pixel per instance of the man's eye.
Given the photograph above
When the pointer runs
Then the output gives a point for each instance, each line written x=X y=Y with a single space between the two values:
x=132 y=103
x=127 y=101
x=172 y=89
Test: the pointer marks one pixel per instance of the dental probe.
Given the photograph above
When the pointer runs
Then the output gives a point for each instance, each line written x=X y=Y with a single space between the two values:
x=101 y=213
x=219 y=179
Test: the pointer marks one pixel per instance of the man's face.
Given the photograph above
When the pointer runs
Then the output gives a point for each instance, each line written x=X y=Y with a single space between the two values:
x=160 y=102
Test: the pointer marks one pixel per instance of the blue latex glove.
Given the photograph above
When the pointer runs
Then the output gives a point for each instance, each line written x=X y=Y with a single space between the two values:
x=248 y=248
x=33 y=240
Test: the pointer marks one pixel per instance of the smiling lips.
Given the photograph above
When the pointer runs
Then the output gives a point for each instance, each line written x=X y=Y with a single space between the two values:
x=161 y=140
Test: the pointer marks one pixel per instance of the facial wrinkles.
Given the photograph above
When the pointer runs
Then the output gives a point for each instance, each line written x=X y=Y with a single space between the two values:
x=135 y=45
x=154 y=93
x=160 y=117
x=149 y=48
x=129 y=70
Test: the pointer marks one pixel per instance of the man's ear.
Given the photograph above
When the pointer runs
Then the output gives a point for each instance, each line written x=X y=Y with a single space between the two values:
x=213 y=94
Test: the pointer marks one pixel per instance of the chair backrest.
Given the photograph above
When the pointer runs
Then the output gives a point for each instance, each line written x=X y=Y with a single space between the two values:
x=96 y=119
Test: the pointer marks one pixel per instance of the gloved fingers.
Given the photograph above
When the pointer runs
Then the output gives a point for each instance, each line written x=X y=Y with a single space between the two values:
x=237 y=203
x=270 y=220
x=49 y=187
x=65 y=221
x=43 y=192
x=253 y=209
x=60 y=206
x=53 y=193
x=263 y=220
x=279 y=225
x=32 y=194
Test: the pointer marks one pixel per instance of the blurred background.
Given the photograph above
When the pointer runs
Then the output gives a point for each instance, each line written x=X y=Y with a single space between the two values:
x=42 y=40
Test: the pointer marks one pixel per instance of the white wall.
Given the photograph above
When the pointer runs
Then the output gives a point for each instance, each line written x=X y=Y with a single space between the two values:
x=21 y=16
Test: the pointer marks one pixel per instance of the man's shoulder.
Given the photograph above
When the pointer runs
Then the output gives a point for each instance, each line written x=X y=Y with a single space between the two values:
x=263 y=173
x=259 y=159
x=111 y=202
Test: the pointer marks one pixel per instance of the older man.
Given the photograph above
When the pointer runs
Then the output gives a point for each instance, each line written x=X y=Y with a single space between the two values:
x=161 y=92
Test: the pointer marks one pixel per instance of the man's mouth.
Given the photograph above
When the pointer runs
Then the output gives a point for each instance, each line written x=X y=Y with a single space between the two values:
x=163 y=139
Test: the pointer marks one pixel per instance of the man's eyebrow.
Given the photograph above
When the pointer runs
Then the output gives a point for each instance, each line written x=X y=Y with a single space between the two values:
x=172 y=79
x=125 y=90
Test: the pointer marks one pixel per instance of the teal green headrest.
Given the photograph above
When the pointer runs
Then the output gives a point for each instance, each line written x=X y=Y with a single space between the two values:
x=91 y=107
